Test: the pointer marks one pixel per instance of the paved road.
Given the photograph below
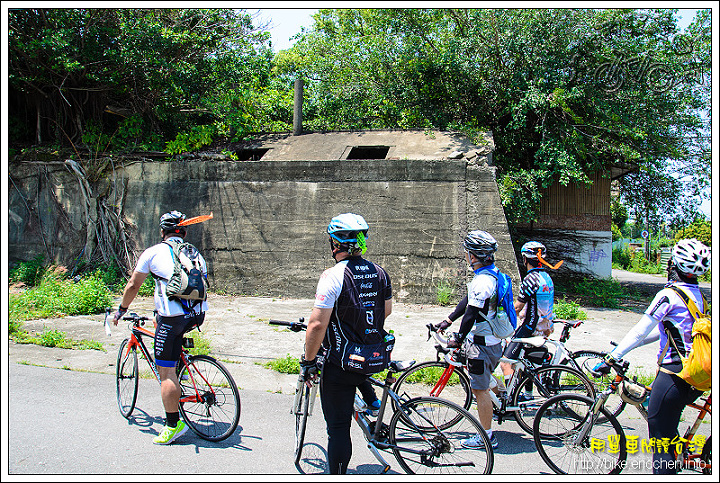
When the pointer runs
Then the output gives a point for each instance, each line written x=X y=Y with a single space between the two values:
x=67 y=422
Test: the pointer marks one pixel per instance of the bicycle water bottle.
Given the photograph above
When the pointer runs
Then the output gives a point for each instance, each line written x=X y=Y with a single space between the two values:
x=107 y=328
x=298 y=392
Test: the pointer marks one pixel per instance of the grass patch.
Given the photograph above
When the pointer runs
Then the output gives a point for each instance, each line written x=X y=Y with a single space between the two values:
x=568 y=310
x=56 y=296
x=284 y=365
x=445 y=292
x=56 y=338
x=201 y=342
x=595 y=292
x=430 y=375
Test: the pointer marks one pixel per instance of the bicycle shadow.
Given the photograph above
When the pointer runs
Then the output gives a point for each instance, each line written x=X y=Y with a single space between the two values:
x=152 y=425
x=313 y=460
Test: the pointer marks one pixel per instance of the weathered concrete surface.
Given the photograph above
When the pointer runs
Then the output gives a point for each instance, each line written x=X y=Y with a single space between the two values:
x=267 y=236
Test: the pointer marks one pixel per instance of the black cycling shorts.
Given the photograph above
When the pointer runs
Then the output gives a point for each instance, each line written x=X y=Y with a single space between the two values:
x=169 y=334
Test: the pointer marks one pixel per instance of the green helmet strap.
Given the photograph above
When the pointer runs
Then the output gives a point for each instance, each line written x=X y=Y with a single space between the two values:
x=361 y=242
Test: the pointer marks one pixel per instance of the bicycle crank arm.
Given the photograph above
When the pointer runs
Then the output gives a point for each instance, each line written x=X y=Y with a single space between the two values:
x=378 y=456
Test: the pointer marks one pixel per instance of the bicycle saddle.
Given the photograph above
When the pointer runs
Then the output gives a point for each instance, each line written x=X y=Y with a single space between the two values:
x=400 y=366
x=536 y=341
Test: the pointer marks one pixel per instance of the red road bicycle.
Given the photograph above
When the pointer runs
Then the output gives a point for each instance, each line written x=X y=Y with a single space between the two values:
x=210 y=401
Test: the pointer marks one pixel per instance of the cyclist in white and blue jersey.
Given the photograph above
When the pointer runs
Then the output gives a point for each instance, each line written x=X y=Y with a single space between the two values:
x=668 y=316
x=535 y=298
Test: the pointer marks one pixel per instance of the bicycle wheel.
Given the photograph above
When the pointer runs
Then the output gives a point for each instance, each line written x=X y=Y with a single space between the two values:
x=420 y=379
x=301 y=411
x=210 y=401
x=561 y=419
x=126 y=371
x=433 y=449
x=547 y=381
x=705 y=457
x=585 y=360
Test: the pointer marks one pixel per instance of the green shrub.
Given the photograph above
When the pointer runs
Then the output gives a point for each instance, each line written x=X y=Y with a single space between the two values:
x=284 y=365
x=56 y=296
x=601 y=292
x=568 y=310
x=28 y=273
x=445 y=293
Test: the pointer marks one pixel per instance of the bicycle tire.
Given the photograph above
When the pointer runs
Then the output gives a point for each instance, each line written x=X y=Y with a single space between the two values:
x=547 y=382
x=215 y=415
x=705 y=456
x=441 y=449
x=419 y=380
x=562 y=417
x=585 y=360
x=301 y=415
x=126 y=378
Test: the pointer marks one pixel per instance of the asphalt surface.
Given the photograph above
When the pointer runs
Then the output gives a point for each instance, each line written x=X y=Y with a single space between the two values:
x=62 y=416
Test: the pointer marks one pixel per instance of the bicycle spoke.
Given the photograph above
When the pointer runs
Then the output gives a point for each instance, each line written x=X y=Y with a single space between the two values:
x=210 y=401
x=421 y=446
x=565 y=433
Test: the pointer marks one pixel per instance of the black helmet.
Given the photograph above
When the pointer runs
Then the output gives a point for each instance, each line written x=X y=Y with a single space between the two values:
x=480 y=243
x=169 y=221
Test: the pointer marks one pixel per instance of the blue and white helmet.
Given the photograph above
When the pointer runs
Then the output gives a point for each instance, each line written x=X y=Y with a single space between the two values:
x=530 y=249
x=349 y=231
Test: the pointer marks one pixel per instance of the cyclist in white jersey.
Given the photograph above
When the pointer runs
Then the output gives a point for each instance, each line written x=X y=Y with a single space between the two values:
x=482 y=348
x=668 y=316
x=174 y=318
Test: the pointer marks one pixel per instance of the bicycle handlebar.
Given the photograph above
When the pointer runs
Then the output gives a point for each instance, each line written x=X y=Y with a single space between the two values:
x=294 y=326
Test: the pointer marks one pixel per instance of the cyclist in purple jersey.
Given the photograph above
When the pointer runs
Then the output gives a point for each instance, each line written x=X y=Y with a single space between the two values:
x=668 y=317
x=352 y=301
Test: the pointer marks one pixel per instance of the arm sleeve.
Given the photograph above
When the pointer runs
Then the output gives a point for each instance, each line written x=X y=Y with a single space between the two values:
x=644 y=332
x=471 y=315
x=459 y=310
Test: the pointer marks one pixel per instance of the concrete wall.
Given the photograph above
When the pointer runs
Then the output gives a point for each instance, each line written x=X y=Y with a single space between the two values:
x=268 y=236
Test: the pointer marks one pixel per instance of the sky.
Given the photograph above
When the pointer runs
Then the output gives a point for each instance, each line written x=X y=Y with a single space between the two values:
x=285 y=23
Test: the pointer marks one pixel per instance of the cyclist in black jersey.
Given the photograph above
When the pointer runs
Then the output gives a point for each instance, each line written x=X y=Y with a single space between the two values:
x=352 y=301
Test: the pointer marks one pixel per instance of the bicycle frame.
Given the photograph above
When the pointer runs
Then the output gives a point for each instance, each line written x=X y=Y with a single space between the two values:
x=688 y=460
x=136 y=341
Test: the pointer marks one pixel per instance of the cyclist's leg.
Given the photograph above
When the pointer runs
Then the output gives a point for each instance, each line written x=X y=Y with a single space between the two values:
x=168 y=345
x=668 y=398
x=481 y=362
x=337 y=394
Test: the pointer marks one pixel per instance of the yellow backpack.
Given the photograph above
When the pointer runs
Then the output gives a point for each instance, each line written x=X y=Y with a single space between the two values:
x=697 y=366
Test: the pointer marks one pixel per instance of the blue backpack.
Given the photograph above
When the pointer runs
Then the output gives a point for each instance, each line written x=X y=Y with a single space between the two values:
x=505 y=297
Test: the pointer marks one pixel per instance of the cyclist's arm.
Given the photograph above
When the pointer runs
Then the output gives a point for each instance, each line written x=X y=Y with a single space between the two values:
x=472 y=314
x=459 y=310
x=131 y=290
x=644 y=332
x=316 y=328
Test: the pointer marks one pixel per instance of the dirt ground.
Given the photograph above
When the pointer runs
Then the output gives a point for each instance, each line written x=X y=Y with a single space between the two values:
x=240 y=335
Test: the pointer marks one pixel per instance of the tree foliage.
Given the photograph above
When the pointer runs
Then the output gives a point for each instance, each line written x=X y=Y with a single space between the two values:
x=565 y=91
x=74 y=72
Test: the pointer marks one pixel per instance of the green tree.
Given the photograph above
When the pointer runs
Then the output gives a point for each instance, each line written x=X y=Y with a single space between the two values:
x=566 y=92
x=700 y=229
x=169 y=69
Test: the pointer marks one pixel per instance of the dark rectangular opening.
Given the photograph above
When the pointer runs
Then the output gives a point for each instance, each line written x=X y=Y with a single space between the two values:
x=251 y=154
x=368 y=152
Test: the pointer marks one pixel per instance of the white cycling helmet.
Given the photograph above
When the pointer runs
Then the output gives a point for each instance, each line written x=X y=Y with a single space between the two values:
x=691 y=257
x=349 y=231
